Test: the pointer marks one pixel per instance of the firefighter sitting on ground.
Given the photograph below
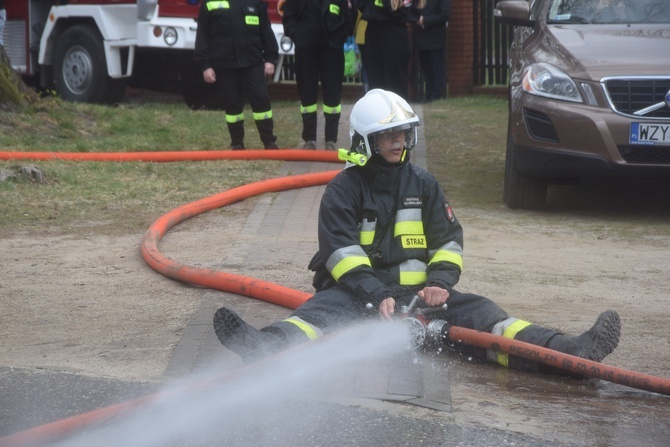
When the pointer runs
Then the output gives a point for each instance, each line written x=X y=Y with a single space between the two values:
x=387 y=233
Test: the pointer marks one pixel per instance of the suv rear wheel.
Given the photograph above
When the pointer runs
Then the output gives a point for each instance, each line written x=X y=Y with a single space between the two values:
x=521 y=191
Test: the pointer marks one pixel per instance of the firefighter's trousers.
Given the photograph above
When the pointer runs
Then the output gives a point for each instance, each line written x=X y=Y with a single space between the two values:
x=239 y=85
x=334 y=308
x=324 y=65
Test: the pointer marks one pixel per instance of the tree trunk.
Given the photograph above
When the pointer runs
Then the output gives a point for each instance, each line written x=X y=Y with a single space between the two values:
x=13 y=91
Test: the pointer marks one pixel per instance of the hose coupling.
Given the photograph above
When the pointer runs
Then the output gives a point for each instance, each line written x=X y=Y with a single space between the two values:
x=437 y=332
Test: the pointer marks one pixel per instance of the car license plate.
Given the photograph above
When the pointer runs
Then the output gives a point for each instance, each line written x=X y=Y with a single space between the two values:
x=650 y=134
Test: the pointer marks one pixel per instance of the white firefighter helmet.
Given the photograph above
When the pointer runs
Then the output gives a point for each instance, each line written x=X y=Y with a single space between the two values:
x=379 y=111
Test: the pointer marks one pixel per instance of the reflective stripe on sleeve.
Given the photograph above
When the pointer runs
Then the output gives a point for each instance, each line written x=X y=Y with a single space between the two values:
x=508 y=329
x=310 y=330
x=346 y=259
x=450 y=252
x=334 y=9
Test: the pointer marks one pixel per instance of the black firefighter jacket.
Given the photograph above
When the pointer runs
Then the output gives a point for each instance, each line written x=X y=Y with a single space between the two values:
x=383 y=228
x=234 y=34
x=310 y=23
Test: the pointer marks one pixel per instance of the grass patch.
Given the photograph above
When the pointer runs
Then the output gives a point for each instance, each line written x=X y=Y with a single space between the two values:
x=465 y=139
x=121 y=197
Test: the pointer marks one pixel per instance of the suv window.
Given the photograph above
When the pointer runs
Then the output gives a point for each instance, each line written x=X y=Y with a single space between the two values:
x=536 y=9
x=609 y=11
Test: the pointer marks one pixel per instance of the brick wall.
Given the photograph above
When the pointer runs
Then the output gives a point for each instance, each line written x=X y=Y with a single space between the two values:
x=460 y=48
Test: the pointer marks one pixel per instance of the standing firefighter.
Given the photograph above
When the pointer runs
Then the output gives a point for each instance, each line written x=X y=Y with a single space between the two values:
x=387 y=233
x=387 y=43
x=319 y=29
x=237 y=50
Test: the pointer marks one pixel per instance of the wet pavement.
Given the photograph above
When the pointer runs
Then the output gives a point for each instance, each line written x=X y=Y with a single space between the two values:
x=410 y=399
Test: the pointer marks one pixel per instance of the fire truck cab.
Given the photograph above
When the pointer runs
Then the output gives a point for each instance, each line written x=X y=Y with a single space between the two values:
x=91 y=50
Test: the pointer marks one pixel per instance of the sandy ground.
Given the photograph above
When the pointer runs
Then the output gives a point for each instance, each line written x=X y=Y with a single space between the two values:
x=87 y=303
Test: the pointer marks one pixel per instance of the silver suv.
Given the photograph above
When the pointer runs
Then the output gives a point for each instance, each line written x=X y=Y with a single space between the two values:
x=589 y=93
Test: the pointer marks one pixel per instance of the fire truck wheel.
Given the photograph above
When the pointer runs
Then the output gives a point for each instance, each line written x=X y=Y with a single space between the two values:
x=80 y=69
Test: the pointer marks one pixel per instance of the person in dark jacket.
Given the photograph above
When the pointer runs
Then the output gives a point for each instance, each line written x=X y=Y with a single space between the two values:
x=387 y=43
x=319 y=29
x=430 y=35
x=387 y=234
x=236 y=49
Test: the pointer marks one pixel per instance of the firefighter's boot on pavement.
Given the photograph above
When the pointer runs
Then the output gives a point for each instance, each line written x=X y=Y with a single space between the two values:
x=249 y=343
x=594 y=344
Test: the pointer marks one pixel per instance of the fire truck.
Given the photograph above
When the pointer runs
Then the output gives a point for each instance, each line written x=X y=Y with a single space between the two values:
x=91 y=50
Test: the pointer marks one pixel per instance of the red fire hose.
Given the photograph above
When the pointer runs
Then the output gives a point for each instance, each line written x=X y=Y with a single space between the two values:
x=275 y=293
x=284 y=154
x=584 y=367
x=228 y=282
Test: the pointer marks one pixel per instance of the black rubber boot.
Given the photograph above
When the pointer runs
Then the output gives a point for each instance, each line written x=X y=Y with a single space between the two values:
x=249 y=343
x=594 y=344
x=332 y=126
x=309 y=122
x=266 y=132
x=236 y=131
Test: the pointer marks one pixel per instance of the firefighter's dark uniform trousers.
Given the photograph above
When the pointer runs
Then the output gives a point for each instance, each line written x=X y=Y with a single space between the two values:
x=334 y=309
x=313 y=65
x=235 y=84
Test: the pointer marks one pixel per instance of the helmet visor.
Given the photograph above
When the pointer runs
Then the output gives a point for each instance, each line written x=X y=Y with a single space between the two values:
x=409 y=129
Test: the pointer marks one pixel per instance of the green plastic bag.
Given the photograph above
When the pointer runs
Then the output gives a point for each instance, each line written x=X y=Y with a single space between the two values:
x=352 y=58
